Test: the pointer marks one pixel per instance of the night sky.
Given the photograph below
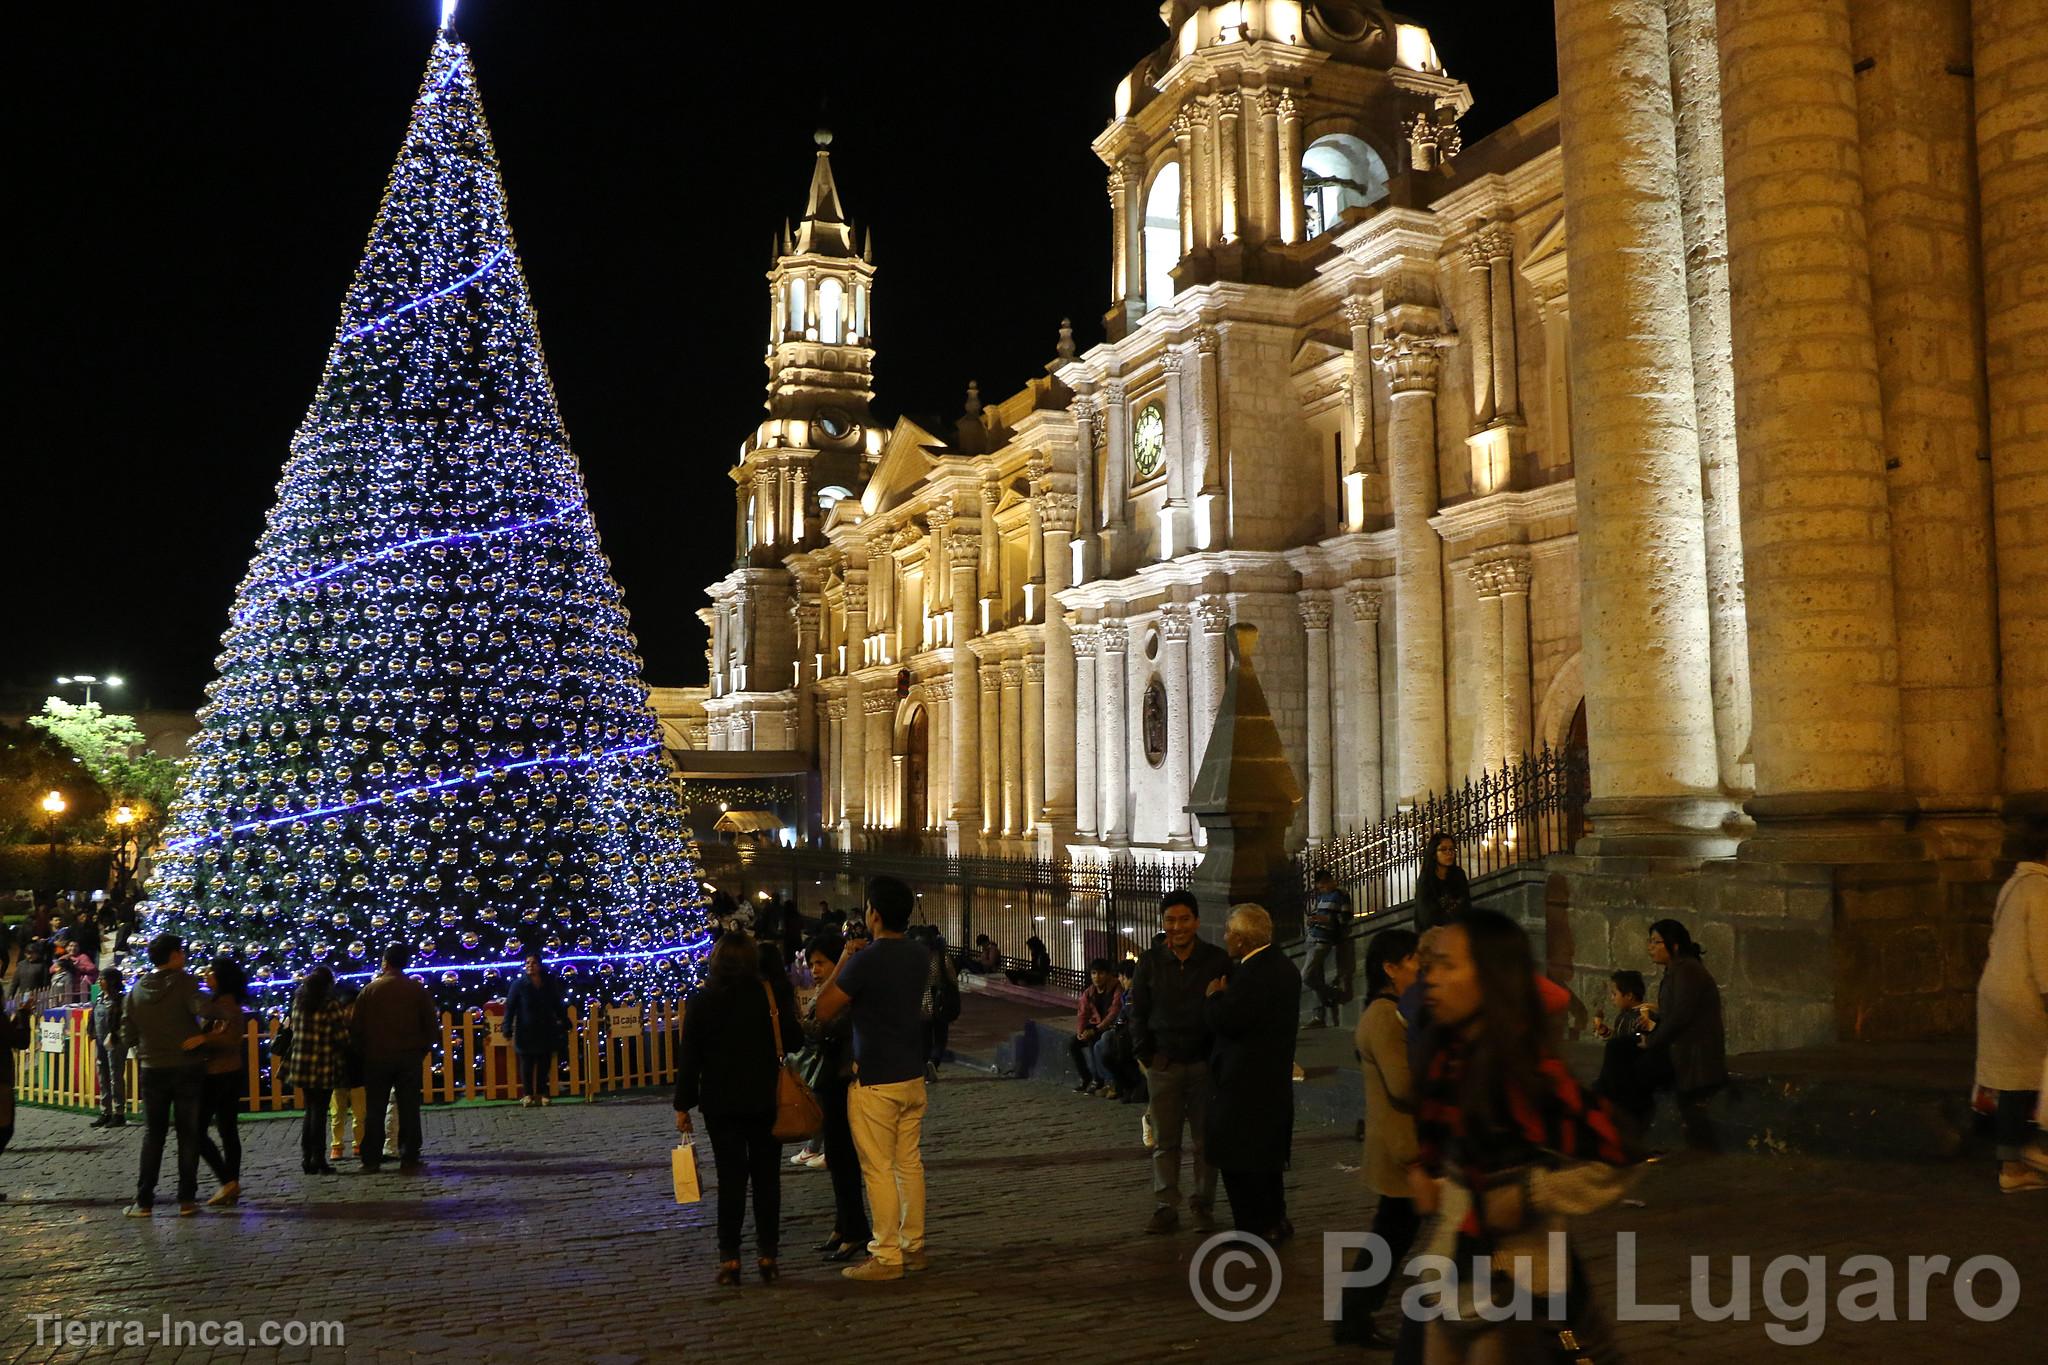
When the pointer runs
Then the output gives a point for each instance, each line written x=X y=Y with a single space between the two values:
x=192 y=184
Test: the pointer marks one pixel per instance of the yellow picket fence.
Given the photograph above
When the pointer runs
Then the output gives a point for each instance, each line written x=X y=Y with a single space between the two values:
x=612 y=1048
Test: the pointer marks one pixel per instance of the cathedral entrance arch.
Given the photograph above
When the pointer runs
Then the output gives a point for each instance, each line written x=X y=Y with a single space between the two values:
x=916 y=769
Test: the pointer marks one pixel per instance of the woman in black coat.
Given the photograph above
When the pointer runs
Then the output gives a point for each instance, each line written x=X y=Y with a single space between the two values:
x=1441 y=889
x=1684 y=1042
x=728 y=1069
x=537 y=1022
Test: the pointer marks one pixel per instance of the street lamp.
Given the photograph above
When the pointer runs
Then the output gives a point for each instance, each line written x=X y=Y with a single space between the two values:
x=53 y=806
x=124 y=824
x=89 y=681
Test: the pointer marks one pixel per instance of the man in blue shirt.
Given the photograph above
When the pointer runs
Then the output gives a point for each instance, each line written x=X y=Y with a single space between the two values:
x=882 y=980
x=1329 y=938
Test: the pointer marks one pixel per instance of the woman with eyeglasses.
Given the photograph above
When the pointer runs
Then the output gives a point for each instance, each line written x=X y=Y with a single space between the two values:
x=1442 y=892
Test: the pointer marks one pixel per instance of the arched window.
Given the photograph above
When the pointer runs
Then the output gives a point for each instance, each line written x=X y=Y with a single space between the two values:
x=831 y=298
x=860 y=311
x=1339 y=172
x=1162 y=234
x=796 y=305
x=831 y=496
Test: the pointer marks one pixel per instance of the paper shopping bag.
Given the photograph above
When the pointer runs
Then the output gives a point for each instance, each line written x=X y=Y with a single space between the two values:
x=683 y=1162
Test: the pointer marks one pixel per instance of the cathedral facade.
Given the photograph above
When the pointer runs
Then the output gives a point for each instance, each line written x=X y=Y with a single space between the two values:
x=1696 y=417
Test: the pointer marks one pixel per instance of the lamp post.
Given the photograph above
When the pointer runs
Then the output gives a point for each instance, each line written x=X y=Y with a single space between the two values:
x=53 y=808
x=124 y=827
x=89 y=681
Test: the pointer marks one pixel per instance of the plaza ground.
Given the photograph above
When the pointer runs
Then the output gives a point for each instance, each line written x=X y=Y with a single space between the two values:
x=552 y=1235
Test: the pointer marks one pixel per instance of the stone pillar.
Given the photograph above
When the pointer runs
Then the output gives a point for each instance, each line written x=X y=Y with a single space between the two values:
x=2011 y=46
x=1116 y=482
x=1511 y=574
x=1113 y=750
x=1315 y=620
x=1499 y=242
x=1365 y=612
x=1131 y=171
x=1918 y=140
x=1363 y=458
x=992 y=556
x=1227 y=148
x=1061 y=717
x=881 y=805
x=1487 y=708
x=835 y=774
x=1033 y=739
x=1124 y=285
x=938 y=693
x=1267 y=173
x=1478 y=329
x=963 y=771
x=1696 y=90
x=1087 y=770
x=1173 y=517
x=1173 y=633
x=1823 y=649
x=1643 y=600
x=991 y=678
x=1201 y=178
x=1183 y=146
x=1211 y=510
x=721 y=675
x=853 y=741
x=1290 y=169
x=1213 y=614
x=1014 y=818
x=1410 y=361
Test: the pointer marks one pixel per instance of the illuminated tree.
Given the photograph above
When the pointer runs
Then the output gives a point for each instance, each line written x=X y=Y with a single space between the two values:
x=429 y=724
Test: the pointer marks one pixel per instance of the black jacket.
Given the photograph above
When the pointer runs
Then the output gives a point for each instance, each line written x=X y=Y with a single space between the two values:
x=1251 y=1080
x=1689 y=1030
x=1436 y=901
x=1166 y=1002
x=727 y=1067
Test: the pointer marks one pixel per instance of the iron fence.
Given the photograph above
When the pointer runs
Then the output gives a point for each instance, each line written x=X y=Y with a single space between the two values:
x=1521 y=813
x=1079 y=910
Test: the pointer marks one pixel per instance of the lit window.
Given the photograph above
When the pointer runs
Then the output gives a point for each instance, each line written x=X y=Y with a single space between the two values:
x=831 y=295
x=1162 y=234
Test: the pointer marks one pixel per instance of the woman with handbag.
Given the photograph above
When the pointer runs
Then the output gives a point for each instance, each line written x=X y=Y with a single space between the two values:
x=737 y=1030
x=1508 y=1146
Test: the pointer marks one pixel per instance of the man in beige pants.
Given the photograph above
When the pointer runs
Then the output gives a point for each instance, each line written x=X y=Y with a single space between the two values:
x=882 y=980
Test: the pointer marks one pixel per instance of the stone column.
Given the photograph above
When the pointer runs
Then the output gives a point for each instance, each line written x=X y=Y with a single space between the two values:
x=1173 y=634
x=2011 y=46
x=1823 y=650
x=1173 y=517
x=992 y=556
x=721 y=677
x=1130 y=171
x=1116 y=483
x=963 y=772
x=1183 y=146
x=1410 y=361
x=1033 y=738
x=1113 y=756
x=1478 y=330
x=1123 y=285
x=881 y=807
x=991 y=677
x=1227 y=148
x=1358 y=317
x=853 y=740
x=1511 y=574
x=1315 y=620
x=1917 y=141
x=1487 y=707
x=1201 y=215
x=1061 y=718
x=938 y=693
x=1499 y=242
x=1696 y=90
x=1211 y=510
x=835 y=773
x=1365 y=612
x=1267 y=172
x=1013 y=746
x=1643 y=600
x=1087 y=768
x=1290 y=169
x=1213 y=615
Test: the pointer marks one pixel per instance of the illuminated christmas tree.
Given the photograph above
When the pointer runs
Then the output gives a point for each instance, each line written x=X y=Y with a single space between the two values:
x=429 y=724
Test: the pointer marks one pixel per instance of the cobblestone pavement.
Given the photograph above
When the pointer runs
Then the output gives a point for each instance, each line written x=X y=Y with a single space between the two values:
x=551 y=1235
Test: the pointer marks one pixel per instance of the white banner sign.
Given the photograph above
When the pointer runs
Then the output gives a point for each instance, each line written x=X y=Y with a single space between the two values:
x=51 y=1033
x=623 y=1021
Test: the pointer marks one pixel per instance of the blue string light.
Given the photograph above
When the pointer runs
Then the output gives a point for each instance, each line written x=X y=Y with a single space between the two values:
x=402 y=793
x=423 y=300
x=688 y=945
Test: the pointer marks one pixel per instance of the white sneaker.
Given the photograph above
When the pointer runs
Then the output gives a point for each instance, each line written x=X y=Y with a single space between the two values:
x=816 y=1161
x=802 y=1157
x=1145 y=1127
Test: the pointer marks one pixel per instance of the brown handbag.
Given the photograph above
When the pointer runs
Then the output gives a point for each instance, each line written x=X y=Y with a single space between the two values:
x=797 y=1115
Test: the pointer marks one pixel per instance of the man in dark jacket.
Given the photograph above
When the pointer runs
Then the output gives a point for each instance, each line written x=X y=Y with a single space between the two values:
x=1170 y=1038
x=1255 y=1017
x=393 y=1026
x=161 y=1026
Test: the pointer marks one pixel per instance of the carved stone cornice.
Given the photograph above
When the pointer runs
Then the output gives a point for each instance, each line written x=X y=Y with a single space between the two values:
x=939 y=687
